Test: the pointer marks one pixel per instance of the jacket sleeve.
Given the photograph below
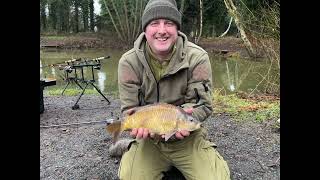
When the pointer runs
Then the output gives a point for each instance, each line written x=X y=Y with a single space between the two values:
x=128 y=85
x=199 y=90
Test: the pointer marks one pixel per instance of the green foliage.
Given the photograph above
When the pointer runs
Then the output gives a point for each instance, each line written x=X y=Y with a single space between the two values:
x=68 y=92
x=245 y=109
x=271 y=110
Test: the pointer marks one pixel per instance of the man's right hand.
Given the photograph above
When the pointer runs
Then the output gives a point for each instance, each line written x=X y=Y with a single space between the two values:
x=138 y=132
x=141 y=133
x=129 y=111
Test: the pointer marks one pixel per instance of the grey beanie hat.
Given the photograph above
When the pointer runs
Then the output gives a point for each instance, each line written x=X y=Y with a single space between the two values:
x=156 y=9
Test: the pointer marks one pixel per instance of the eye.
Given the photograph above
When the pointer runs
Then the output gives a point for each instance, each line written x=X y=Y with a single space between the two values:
x=170 y=23
x=154 y=23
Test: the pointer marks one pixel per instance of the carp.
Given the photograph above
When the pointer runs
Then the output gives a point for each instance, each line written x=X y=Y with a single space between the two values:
x=160 y=119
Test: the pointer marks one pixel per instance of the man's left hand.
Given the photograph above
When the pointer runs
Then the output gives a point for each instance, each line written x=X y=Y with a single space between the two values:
x=182 y=134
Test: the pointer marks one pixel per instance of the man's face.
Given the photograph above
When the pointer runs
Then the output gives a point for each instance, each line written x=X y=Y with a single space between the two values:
x=161 y=34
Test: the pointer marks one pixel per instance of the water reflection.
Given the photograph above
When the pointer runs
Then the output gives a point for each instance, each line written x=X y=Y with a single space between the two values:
x=230 y=74
x=101 y=78
x=53 y=72
x=40 y=69
x=235 y=77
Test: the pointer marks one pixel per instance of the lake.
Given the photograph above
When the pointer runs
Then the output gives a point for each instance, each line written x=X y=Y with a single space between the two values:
x=229 y=74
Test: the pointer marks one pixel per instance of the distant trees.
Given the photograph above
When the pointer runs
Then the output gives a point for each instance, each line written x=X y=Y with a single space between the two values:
x=66 y=16
x=258 y=23
x=125 y=16
x=252 y=20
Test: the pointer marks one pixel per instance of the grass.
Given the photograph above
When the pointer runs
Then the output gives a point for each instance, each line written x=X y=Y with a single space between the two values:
x=242 y=109
x=68 y=92
x=76 y=92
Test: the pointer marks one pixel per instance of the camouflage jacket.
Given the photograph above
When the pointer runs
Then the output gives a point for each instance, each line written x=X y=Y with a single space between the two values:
x=187 y=81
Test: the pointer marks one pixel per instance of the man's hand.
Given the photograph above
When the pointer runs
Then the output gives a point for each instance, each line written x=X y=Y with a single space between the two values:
x=141 y=133
x=129 y=111
x=184 y=133
x=189 y=110
x=144 y=132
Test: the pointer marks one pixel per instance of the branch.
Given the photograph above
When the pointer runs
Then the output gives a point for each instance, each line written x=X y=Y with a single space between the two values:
x=227 y=28
x=114 y=24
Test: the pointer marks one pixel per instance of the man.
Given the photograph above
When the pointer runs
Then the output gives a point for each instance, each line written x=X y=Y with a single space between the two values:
x=165 y=67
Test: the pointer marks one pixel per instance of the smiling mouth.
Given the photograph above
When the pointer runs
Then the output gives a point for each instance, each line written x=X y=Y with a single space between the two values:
x=162 y=38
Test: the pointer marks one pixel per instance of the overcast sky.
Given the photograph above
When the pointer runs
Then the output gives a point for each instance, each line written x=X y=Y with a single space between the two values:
x=96 y=7
x=95 y=4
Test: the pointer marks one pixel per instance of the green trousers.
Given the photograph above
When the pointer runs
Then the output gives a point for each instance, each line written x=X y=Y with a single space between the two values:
x=195 y=157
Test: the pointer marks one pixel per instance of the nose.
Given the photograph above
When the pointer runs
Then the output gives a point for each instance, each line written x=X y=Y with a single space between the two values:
x=162 y=28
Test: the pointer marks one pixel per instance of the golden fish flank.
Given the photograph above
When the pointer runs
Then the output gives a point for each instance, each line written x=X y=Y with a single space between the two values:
x=159 y=118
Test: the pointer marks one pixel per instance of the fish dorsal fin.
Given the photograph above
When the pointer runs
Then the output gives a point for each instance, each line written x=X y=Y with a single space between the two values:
x=168 y=135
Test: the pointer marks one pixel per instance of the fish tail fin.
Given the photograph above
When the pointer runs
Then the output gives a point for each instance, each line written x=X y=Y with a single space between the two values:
x=115 y=129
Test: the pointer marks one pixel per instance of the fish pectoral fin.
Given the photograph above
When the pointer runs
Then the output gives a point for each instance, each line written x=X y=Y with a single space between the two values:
x=168 y=135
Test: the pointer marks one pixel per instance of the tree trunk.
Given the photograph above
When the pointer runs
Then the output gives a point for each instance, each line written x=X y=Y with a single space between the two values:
x=91 y=9
x=119 y=21
x=200 y=24
x=85 y=13
x=213 y=32
x=67 y=18
x=127 y=27
x=53 y=15
x=113 y=22
x=135 y=19
x=76 y=16
x=237 y=19
x=43 y=15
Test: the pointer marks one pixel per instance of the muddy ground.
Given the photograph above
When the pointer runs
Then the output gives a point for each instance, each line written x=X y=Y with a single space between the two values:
x=251 y=149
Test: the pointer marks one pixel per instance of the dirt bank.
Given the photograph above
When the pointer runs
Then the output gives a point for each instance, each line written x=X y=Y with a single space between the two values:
x=81 y=152
x=226 y=46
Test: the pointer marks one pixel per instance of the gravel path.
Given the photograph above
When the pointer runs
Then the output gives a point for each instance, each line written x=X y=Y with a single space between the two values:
x=252 y=150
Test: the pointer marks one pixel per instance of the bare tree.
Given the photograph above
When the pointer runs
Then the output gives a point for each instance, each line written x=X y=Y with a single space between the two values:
x=237 y=19
x=113 y=22
x=126 y=18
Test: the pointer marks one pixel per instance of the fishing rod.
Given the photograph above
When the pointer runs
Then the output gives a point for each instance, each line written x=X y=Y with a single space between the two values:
x=107 y=121
x=59 y=64
x=76 y=61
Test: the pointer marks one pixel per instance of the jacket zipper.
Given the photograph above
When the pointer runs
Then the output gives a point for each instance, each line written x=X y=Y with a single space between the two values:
x=154 y=77
x=158 y=93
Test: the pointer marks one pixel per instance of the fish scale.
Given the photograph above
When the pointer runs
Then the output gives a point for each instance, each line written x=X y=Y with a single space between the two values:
x=161 y=118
